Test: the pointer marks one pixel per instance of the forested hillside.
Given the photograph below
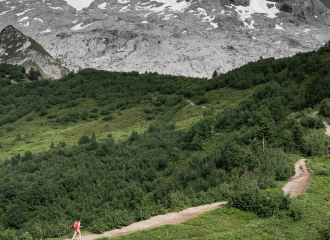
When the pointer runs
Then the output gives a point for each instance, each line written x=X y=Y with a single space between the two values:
x=233 y=154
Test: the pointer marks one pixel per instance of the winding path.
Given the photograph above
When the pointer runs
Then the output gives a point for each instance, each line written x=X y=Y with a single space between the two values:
x=160 y=220
x=299 y=182
x=296 y=185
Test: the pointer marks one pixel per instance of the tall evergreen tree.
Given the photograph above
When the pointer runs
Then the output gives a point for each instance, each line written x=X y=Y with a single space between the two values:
x=264 y=133
x=299 y=138
x=215 y=73
x=32 y=74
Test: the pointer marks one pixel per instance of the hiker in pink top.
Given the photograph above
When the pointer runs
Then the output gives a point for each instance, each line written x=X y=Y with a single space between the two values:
x=76 y=228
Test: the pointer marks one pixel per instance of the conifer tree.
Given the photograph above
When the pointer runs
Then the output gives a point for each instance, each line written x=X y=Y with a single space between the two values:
x=299 y=138
x=264 y=133
x=215 y=73
x=32 y=74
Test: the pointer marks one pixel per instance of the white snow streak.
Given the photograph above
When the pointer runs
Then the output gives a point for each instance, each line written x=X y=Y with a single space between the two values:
x=78 y=26
x=23 y=19
x=102 y=6
x=22 y=13
x=46 y=31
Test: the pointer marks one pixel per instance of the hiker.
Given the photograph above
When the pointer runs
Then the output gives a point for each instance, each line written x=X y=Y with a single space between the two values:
x=76 y=228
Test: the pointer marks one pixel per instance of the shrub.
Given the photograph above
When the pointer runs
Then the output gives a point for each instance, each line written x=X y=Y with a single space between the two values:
x=325 y=107
x=202 y=100
x=43 y=111
x=148 y=110
x=93 y=115
x=50 y=116
x=83 y=140
x=84 y=115
x=29 y=118
x=108 y=118
x=296 y=211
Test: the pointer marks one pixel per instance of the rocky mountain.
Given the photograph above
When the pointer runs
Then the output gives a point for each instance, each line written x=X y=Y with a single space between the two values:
x=16 y=48
x=180 y=37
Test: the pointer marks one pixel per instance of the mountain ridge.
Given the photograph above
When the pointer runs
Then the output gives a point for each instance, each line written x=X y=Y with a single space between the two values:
x=191 y=38
x=16 y=48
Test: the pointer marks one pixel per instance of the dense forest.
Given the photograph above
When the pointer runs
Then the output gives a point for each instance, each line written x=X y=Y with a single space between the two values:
x=111 y=184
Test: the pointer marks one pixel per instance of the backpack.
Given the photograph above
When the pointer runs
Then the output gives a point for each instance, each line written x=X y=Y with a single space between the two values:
x=75 y=225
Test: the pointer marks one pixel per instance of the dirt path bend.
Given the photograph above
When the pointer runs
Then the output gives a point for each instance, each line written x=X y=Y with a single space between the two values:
x=327 y=130
x=169 y=218
x=299 y=182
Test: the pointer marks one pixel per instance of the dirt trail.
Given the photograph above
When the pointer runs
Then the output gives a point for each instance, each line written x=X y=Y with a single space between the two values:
x=169 y=218
x=299 y=182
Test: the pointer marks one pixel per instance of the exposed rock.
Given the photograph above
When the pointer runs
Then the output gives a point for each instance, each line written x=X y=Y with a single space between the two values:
x=16 y=48
x=191 y=38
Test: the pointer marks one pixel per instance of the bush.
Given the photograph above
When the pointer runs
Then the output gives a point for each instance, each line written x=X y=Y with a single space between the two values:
x=43 y=111
x=296 y=211
x=83 y=140
x=108 y=118
x=50 y=116
x=29 y=118
x=148 y=110
x=325 y=107
x=93 y=115
x=202 y=100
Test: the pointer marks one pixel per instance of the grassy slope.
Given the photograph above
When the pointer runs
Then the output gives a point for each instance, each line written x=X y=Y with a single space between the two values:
x=225 y=223
x=38 y=134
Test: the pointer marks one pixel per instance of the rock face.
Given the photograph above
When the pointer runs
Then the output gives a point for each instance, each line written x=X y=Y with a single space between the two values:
x=180 y=37
x=16 y=48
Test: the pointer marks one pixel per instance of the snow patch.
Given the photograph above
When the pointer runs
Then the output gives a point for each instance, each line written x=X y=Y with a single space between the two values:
x=278 y=27
x=46 y=31
x=256 y=6
x=23 y=19
x=307 y=30
x=123 y=1
x=79 y=27
x=38 y=19
x=102 y=6
x=205 y=17
x=26 y=24
x=144 y=22
x=79 y=4
x=22 y=13
x=124 y=9
x=169 y=5
x=12 y=8
x=278 y=42
x=56 y=8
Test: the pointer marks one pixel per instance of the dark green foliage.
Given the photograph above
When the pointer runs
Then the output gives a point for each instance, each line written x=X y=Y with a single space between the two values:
x=324 y=232
x=43 y=111
x=214 y=74
x=248 y=197
x=84 y=115
x=34 y=74
x=299 y=138
x=83 y=140
x=51 y=116
x=296 y=211
x=108 y=117
x=325 y=107
x=111 y=184
x=202 y=100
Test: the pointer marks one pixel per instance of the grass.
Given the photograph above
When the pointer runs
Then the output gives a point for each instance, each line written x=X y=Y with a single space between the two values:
x=38 y=134
x=230 y=223
x=226 y=97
